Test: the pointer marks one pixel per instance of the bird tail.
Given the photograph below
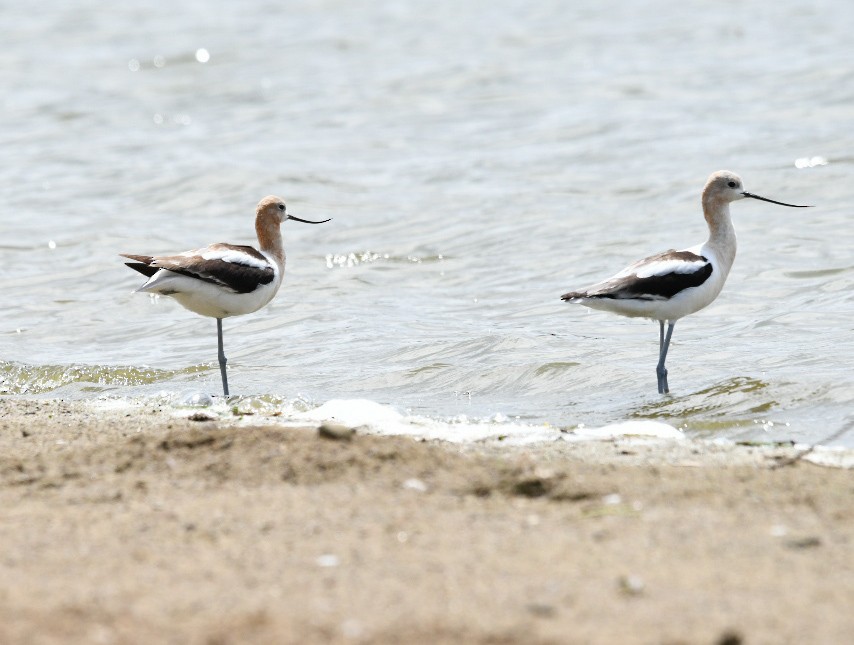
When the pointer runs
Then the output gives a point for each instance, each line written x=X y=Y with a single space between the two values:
x=142 y=264
x=144 y=269
x=574 y=295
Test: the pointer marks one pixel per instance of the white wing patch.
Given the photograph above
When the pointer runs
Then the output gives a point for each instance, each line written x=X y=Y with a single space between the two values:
x=234 y=257
x=665 y=267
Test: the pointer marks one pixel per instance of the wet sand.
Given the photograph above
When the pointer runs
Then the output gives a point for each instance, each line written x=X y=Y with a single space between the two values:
x=136 y=526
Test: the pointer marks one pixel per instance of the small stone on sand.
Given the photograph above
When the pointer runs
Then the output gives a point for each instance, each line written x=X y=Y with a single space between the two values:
x=335 y=431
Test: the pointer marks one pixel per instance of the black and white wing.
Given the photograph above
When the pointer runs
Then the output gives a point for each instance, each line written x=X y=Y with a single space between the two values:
x=240 y=269
x=658 y=277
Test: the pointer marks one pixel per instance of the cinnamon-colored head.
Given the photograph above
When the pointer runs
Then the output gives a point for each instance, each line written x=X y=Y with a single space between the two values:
x=272 y=209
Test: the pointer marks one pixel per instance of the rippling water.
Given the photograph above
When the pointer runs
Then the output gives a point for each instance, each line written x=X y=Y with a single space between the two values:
x=478 y=159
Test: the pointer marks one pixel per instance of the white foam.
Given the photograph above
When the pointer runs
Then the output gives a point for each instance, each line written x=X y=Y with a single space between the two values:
x=371 y=417
x=353 y=412
x=643 y=428
x=835 y=457
x=383 y=419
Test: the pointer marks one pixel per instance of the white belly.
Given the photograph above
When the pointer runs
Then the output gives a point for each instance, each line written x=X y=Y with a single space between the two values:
x=684 y=303
x=207 y=299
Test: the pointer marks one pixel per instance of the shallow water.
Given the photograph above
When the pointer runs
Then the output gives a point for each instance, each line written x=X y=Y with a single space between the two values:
x=478 y=160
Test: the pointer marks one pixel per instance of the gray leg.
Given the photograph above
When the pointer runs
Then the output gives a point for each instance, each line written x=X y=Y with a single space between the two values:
x=660 y=367
x=664 y=345
x=222 y=359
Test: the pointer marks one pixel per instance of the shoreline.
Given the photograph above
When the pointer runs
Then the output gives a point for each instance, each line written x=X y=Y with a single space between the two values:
x=129 y=526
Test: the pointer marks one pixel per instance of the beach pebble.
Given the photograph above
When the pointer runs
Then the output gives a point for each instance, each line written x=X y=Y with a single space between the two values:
x=778 y=530
x=612 y=500
x=542 y=610
x=335 y=431
x=327 y=560
x=730 y=637
x=809 y=542
x=631 y=585
x=415 y=484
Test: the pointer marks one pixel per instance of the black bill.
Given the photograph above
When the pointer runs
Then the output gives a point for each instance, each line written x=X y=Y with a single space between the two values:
x=765 y=199
x=308 y=221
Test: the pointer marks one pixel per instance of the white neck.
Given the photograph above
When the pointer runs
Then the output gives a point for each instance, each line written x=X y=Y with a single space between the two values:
x=721 y=231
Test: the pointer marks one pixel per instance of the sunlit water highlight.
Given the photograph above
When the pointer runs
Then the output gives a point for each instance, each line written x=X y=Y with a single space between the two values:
x=478 y=161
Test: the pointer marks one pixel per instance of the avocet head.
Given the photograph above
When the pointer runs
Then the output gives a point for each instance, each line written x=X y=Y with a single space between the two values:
x=726 y=186
x=274 y=207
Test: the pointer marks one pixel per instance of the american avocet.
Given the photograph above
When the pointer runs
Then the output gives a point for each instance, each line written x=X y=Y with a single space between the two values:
x=667 y=286
x=223 y=280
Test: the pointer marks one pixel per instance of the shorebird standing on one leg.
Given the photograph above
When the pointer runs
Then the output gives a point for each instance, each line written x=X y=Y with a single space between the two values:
x=673 y=284
x=223 y=280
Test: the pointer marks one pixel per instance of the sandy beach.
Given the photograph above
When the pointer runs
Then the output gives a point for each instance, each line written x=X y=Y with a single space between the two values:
x=138 y=526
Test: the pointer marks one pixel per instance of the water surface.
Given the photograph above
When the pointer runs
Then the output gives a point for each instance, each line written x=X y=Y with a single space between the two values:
x=478 y=159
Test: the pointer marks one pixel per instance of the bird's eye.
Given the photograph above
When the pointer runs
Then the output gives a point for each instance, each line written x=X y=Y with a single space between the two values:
x=731 y=184
x=282 y=206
